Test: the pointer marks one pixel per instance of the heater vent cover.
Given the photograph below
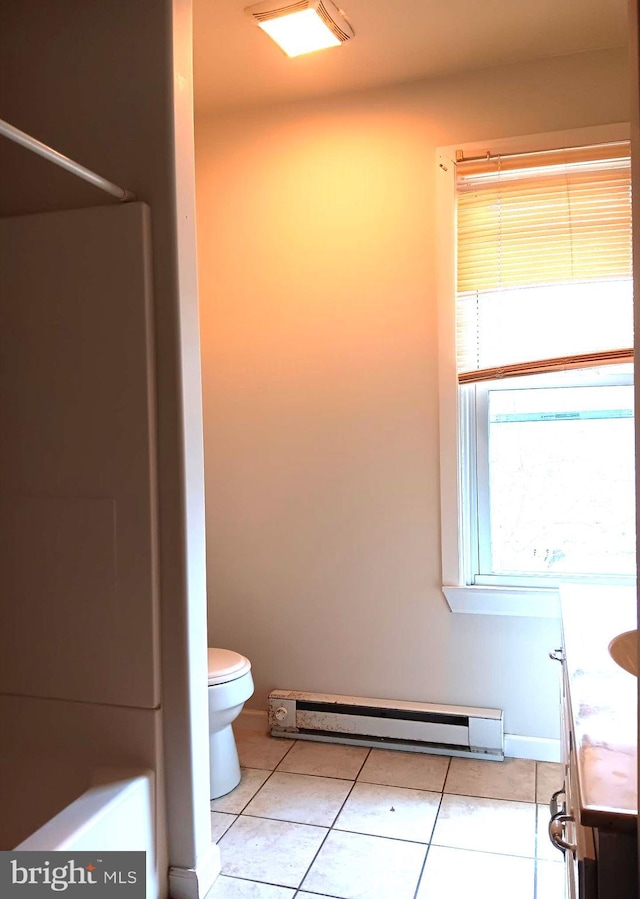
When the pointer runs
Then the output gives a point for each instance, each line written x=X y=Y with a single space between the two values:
x=413 y=726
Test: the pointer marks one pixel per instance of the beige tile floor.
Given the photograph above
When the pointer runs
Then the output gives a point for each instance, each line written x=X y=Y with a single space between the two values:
x=316 y=819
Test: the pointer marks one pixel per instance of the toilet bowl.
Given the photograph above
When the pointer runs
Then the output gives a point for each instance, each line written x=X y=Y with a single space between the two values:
x=230 y=685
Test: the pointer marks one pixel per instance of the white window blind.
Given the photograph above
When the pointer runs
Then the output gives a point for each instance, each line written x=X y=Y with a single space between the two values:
x=544 y=277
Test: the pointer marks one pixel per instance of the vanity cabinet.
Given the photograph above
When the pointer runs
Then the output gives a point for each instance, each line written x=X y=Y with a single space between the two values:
x=593 y=819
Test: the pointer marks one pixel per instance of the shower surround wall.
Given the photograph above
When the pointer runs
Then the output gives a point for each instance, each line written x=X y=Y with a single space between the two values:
x=109 y=84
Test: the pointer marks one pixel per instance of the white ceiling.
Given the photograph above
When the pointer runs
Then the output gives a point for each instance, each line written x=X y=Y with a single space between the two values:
x=236 y=65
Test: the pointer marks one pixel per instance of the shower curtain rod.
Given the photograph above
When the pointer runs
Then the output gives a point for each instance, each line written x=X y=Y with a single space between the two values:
x=36 y=146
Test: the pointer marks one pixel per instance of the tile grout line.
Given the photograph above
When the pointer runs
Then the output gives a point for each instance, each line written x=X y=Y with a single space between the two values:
x=433 y=830
x=267 y=883
x=364 y=762
x=252 y=797
x=300 y=891
x=316 y=854
x=488 y=798
x=331 y=827
x=248 y=767
x=376 y=783
x=377 y=836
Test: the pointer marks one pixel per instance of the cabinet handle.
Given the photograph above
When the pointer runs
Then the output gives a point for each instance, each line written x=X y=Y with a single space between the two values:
x=556 y=829
x=554 y=806
x=557 y=655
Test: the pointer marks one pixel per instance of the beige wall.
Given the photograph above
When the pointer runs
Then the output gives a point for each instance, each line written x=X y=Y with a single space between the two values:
x=317 y=235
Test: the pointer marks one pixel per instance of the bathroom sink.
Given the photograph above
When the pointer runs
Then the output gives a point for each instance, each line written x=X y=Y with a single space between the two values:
x=623 y=649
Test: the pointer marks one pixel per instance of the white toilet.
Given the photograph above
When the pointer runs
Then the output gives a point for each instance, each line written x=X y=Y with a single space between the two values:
x=230 y=685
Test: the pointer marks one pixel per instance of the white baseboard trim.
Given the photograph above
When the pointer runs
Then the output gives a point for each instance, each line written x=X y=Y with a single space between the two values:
x=195 y=883
x=252 y=719
x=539 y=749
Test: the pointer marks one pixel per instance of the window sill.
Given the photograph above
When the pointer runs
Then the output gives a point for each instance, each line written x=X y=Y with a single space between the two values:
x=521 y=602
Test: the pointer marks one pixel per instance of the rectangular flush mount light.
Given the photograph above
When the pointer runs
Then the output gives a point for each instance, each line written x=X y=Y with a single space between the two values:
x=303 y=26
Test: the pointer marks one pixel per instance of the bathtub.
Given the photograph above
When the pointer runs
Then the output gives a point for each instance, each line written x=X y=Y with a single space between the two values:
x=115 y=813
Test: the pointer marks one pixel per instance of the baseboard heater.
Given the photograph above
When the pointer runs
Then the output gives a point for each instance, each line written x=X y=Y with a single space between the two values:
x=412 y=726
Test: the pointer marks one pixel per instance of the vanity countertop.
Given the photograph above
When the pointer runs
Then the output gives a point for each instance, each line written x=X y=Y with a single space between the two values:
x=602 y=704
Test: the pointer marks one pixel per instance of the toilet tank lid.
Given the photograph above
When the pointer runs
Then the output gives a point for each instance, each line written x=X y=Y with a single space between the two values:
x=226 y=665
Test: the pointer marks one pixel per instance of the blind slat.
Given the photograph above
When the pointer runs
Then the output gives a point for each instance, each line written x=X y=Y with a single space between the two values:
x=540 y=366
x=543 y=258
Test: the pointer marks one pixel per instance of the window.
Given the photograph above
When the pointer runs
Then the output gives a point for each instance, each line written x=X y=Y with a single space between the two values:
x=538 y=318
x=555 y=461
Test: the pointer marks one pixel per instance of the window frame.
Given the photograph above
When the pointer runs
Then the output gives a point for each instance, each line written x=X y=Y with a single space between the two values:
x=604 y=376
x=459 y=520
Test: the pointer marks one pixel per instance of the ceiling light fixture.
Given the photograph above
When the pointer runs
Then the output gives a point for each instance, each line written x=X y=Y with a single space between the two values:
x=303 y=26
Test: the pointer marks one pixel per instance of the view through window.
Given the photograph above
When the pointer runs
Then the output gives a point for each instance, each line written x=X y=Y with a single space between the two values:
x=561 y=478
